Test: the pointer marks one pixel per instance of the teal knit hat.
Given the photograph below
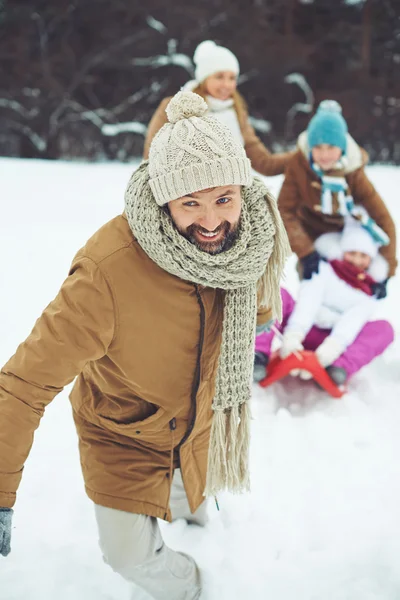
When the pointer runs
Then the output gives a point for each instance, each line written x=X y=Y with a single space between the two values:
x=328 y=126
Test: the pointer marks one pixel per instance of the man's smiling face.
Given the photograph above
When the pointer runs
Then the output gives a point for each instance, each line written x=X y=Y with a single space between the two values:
x=209 y=218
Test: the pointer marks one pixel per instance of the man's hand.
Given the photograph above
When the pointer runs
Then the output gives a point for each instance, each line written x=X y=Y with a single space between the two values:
x=380 y=289
x=310 y=264
x=5 y=530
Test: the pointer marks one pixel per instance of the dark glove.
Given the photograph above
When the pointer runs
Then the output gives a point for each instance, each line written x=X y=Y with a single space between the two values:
x=5 y=530
x=260 y=365
x=310 y=264
x=380 y=289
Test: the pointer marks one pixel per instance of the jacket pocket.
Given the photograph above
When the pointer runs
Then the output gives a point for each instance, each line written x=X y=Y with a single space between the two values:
x=151 y=429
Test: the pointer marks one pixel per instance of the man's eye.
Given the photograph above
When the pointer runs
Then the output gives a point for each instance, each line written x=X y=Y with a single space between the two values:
x=223 y=200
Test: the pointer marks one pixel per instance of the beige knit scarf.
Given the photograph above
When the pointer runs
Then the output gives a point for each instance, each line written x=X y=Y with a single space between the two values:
x=251 y=268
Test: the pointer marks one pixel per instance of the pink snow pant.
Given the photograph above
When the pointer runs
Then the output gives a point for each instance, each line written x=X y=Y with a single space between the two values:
x=372 y=340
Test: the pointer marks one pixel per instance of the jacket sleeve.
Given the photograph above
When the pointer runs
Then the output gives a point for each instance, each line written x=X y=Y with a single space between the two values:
x=157 y=121
x=308 y=303
x=349 y=325
x=365 y=194
x=77 y=327
x=262 y=160
x=289 y=200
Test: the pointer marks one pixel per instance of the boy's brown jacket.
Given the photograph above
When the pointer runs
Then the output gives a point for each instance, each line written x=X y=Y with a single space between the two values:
x=300 y=200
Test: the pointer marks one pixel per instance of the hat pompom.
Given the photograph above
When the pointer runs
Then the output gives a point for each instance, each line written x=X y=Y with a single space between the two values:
x=203 y=50
x=185 y=105
x=330 y=106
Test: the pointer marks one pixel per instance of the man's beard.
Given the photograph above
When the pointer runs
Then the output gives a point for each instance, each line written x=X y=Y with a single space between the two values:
x=229 y=236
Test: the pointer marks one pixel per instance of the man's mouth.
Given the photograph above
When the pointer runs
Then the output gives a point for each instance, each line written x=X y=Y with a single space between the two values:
x=216 y=241
x=210 y=235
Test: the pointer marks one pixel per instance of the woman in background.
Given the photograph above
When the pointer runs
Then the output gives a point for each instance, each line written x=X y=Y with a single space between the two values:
x=216 y=73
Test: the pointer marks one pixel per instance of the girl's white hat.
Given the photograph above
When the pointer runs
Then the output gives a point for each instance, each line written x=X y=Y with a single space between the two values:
x=353 y=238
x=357 y=239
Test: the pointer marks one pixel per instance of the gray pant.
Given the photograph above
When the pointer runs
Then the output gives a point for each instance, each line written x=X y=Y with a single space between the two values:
x=133 y=547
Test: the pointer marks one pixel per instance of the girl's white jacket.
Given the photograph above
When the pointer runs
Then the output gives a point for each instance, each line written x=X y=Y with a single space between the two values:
x=327 y=301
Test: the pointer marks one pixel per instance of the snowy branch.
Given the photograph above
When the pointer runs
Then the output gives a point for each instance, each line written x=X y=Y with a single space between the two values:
x=304 y=107
x=161 y=60
x=172 y=57
x=134 y=99
x=93 y=61
x=31 y=92
x=81 y=114
x=43 y=39
x=132 y=127
x=17 y=107
x=260 y=124
x=243 y=77
x=97 y=117
x=157 y=25
x=39 y=142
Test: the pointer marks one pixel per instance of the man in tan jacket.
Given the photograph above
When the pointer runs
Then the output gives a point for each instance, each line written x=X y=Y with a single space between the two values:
x=197 y=254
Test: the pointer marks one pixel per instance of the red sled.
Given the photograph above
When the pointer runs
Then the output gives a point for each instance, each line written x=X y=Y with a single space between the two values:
x=280 y=367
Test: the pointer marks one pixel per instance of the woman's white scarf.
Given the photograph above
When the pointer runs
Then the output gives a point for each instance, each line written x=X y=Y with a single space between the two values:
x=250 y=274
x=224 y=111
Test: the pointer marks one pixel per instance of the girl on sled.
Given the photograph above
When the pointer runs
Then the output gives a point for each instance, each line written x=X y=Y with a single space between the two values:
x=334 y=307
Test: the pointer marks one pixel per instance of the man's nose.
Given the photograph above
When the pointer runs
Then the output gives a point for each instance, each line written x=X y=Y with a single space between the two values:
x=209 y=220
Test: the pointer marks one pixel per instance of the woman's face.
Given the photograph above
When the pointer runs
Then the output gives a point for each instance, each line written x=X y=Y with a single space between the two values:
x=221 y=85
x=326 y=156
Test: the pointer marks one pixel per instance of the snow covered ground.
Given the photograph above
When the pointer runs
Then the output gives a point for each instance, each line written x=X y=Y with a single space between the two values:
x=323 y=519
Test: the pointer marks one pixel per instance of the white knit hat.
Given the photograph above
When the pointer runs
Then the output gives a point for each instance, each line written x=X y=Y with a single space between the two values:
x=194 y=152
x=357 y=239
x=210 y=58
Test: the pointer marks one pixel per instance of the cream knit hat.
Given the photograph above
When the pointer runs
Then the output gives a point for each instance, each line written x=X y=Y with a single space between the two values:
x=210 y=58
x=194 y=152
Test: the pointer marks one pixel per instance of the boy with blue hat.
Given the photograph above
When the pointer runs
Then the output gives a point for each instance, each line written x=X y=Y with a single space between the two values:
x=324 y=182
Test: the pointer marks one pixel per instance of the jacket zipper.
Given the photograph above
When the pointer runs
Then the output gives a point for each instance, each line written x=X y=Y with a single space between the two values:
x=196 y=380
x=172 y=427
